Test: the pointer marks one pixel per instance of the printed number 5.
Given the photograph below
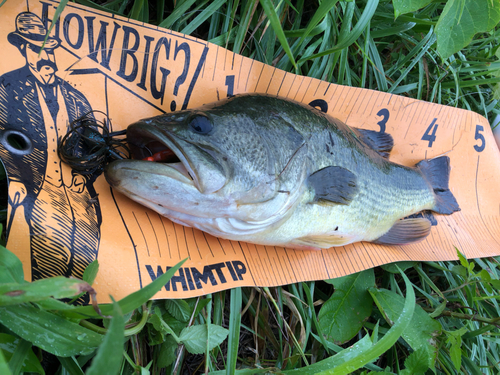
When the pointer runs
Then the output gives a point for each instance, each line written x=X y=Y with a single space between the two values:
x=479 y=136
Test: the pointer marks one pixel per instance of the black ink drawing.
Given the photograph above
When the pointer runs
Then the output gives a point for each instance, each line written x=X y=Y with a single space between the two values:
x=61 y=206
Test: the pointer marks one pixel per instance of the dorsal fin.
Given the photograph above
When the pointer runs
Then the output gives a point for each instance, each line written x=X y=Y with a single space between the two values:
x=382 y=143
x=334 y=184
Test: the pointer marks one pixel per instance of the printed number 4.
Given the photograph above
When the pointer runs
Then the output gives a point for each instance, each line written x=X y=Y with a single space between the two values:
x=428 y=136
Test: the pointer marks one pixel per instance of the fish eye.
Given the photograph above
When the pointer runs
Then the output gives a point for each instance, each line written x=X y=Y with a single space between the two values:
x=200 y=124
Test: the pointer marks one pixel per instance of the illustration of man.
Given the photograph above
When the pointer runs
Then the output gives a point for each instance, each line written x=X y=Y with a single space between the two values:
x=60 y=205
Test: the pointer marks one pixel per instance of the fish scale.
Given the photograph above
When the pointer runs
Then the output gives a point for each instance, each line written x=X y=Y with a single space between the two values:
x=275 y=172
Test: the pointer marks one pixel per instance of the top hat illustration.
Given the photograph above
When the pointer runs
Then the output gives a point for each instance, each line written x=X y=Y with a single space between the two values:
x=30 y=29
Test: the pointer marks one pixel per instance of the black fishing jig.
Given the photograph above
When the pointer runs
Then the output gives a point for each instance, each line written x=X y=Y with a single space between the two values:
x=89 y=145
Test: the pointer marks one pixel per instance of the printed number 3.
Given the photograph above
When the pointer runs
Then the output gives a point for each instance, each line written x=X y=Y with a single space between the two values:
x=384 y=112
x=479 y=136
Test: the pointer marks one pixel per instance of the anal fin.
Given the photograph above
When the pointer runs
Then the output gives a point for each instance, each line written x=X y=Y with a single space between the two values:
x=406 y=231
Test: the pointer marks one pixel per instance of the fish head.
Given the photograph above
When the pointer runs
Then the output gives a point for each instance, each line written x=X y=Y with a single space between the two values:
x=222 y=162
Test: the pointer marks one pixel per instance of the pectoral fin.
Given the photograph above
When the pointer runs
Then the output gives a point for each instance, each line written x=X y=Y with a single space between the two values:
x=406 y=231
x=334 y=184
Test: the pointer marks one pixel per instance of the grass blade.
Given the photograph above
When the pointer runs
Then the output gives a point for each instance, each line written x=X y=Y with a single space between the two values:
x=4 y=366
x=71 y=365
x=179 y=10
x=276 y=25
x=109 y=356
x=49 y=331
x=345 y=363
x=351 y=37
x=57 y=287
x=234 y=330
x=129 y=303
x=319 y=15
x=11 y=268
x=19 y=355
x=203 y=16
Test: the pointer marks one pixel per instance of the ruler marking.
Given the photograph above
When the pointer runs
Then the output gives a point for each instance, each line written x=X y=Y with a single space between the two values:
x=166 y=235
x=177 y=240
x=154 y=233
x=270 y=81
x=327 y=87
x=324 y=263
x=348 y=256
x=307 y=89
x=232 y=246
x=248 y=264
x=298 y=88
x=248 y=76
x=215 y=64
x=220 y=244
x=185 y=241
x=239 y=71
x=297 y=260
x=225 y=58
x=281 y=264
x=284 y=279
x=338 y=260
x=317 y=88
x=352 y=108
x=344 y=98
x=290 y=265
x=376 y=97
x=269 y=272
x=340 y=95
x=258 y=80
x=477 y=200
x=288 y=94
x=281 y=84
x=333 y=93
x=361 y=104
x=276 y=269
x=142 y=232
x=206 y=241
x=367 y=253
x=197 y=247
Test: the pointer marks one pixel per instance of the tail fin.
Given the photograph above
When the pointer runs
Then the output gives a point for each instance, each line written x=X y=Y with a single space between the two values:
x=437 y=172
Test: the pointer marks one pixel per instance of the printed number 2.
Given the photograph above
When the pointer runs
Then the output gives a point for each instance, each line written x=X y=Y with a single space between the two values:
x=479 y=136
x=384 y=112
x=428 y=136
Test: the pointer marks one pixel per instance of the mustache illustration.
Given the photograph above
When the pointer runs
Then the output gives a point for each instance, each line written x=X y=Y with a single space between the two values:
x=40 y=64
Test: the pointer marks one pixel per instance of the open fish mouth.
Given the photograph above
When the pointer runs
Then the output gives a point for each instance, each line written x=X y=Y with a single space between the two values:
x=148 y=143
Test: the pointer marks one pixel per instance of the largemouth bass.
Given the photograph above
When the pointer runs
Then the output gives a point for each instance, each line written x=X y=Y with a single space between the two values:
x=271 y=171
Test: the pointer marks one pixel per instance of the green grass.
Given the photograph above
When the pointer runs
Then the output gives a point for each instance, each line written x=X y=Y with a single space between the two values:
x=451 y=327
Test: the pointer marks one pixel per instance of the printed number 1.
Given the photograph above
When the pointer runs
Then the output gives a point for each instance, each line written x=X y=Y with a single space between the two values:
x=230 y=85
x=428 y=136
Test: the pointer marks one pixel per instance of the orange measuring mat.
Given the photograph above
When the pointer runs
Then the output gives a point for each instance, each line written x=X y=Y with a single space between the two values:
x=60 y=220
